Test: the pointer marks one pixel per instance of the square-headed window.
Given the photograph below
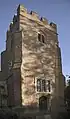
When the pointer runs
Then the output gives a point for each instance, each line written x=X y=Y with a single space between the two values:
x=43 y=85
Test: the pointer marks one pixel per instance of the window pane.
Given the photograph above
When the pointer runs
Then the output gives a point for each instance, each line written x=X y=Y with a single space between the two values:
x=43 y=85
x=39 y=37
x=49 y=86
x=39 y=85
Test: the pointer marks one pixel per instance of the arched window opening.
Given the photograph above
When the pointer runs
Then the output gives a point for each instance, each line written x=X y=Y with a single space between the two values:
x=41 y=38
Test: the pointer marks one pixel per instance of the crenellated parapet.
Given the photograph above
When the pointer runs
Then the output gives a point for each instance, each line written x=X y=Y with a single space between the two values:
x=33 y=16
x=21 y=8
x=44 y=20
x=11 y=26
x=13 y=23
x=15 y=18
x=53 y=25
x=22 y=12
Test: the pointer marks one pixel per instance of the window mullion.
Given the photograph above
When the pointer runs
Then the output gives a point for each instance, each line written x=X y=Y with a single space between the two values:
x=41 y=85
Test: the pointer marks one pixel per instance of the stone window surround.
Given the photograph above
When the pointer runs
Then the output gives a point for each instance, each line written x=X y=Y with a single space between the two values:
x=41 y=37
x=48 y=90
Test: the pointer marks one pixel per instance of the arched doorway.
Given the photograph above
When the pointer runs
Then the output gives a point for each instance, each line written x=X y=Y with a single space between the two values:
x=43 y=103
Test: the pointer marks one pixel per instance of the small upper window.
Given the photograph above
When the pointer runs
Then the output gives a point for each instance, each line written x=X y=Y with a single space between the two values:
x=41 y=38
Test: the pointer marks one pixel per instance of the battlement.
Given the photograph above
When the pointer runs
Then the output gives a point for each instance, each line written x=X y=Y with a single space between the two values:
x=15 y=18
x=11 y=26
x=34 y=14
x=22 y=12
x=44 y=20
x=21 y=8
x=53 y=25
